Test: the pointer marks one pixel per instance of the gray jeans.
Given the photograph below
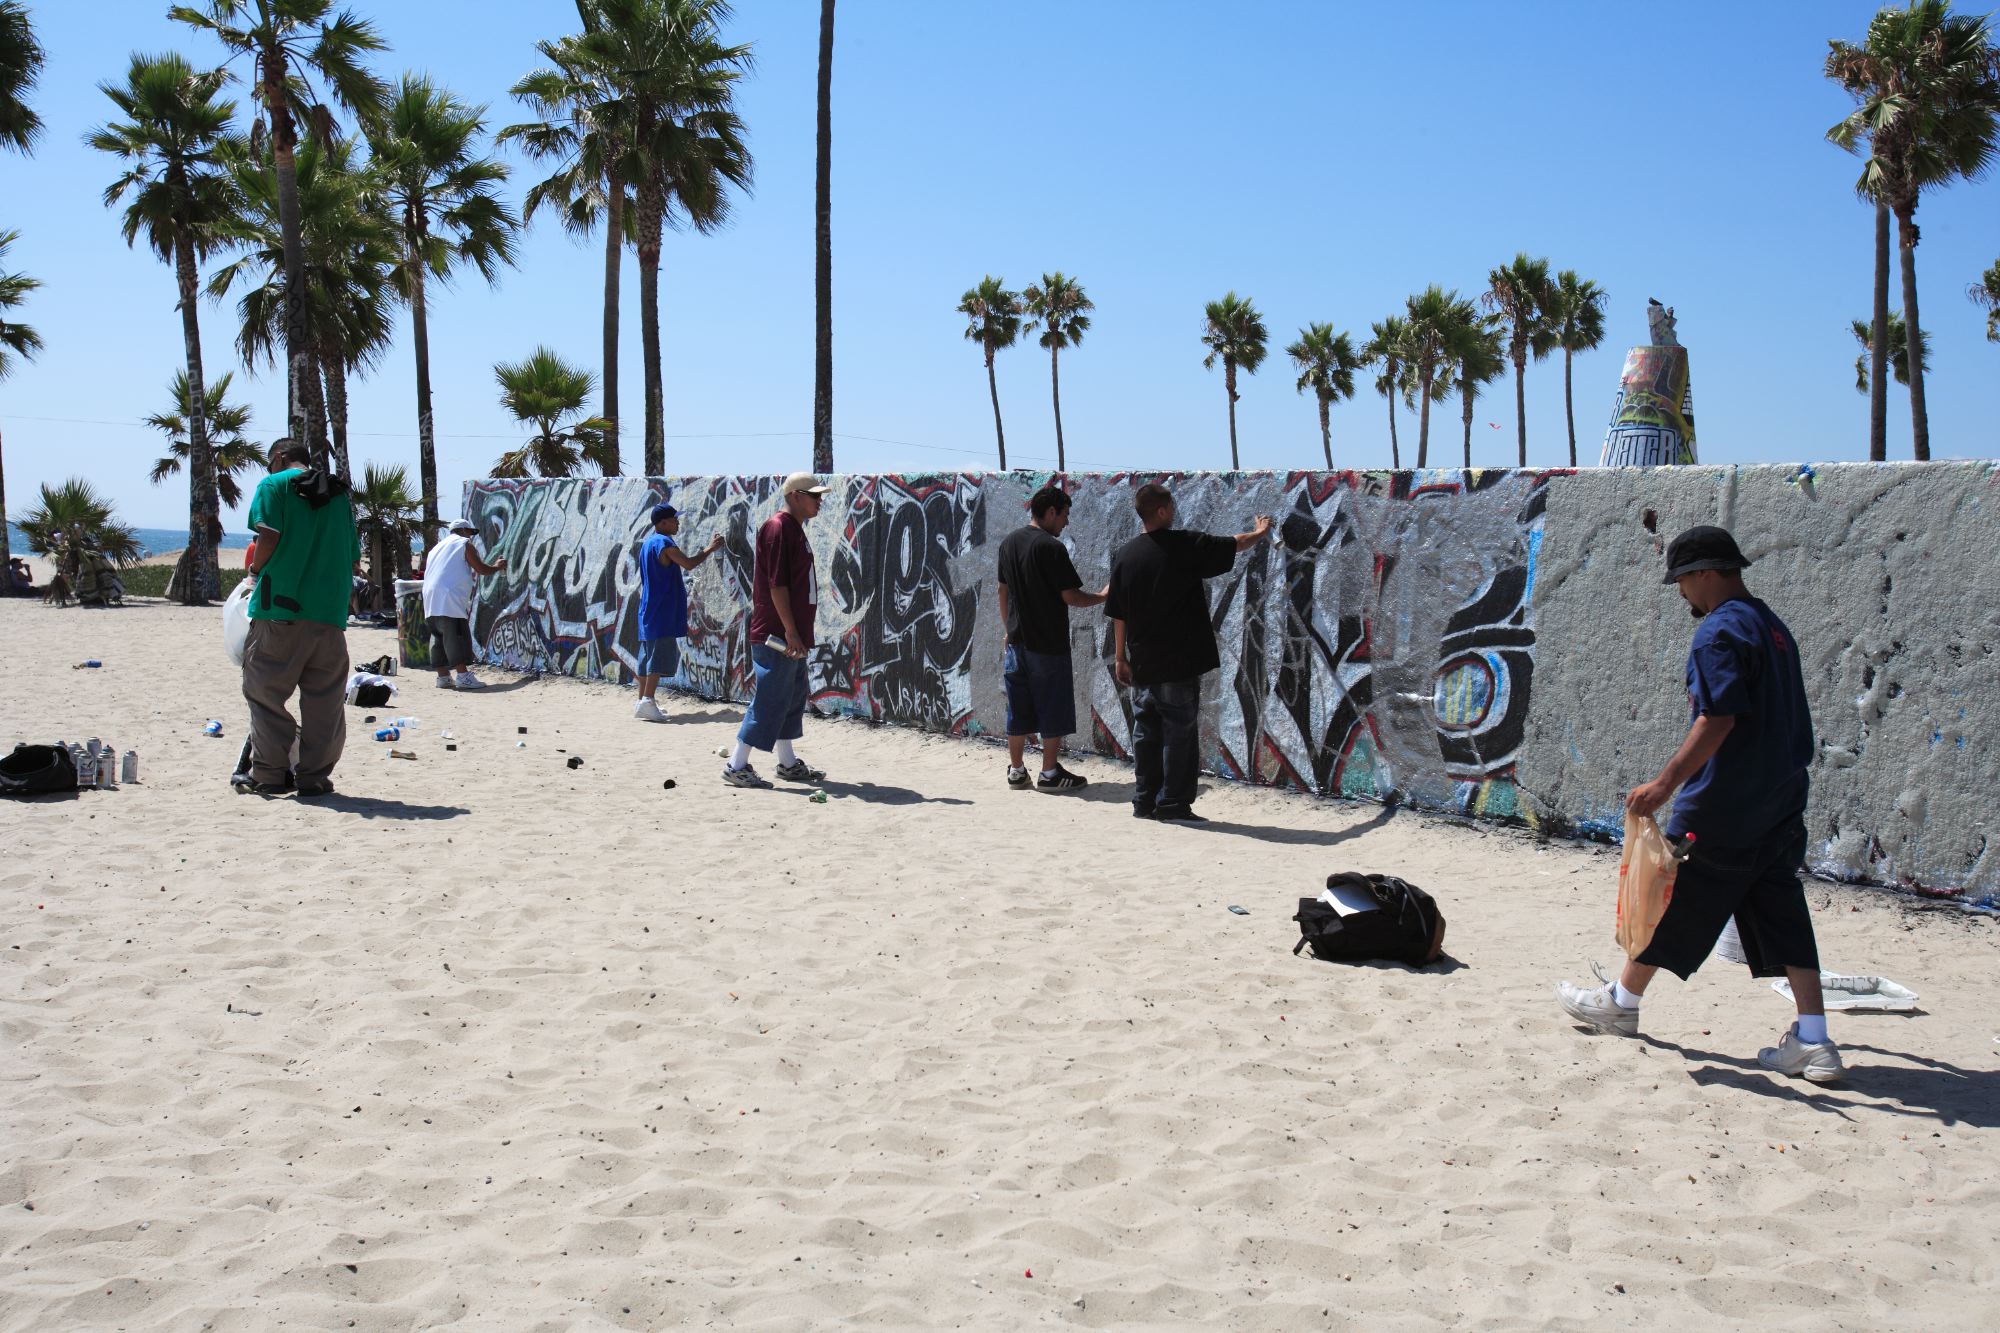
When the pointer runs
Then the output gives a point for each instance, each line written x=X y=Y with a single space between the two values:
x=451 y=643
x=280 y=657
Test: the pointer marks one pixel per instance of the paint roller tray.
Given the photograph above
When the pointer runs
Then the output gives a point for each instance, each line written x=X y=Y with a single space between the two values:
x=1868 y=994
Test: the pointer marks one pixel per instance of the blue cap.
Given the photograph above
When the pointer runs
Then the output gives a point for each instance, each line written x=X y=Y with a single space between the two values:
x=664 y=511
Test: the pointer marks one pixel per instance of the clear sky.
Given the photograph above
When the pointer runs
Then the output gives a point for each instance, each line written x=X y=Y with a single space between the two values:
x=1325 y=159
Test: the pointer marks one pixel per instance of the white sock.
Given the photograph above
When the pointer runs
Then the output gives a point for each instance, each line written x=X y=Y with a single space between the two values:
x=741 y=759
x=1812 y=1028
x=1624 y=998
x=784 y=753
x=1051 y=772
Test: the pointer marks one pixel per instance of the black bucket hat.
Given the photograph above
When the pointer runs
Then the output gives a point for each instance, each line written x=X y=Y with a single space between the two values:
x=1702 y=548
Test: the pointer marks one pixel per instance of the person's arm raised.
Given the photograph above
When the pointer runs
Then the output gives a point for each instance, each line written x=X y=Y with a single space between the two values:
x=1245 y=540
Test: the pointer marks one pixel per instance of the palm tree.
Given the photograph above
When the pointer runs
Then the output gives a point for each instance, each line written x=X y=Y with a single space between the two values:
x=226 y=423
x=17 y=341
x=385 y=516
x=1986 y=292
x=21 y=60
x=442 y=196
x=993 y=320
x=1385 y=347
x=1576 y=321
x=823 y=259
x=183 y=200
x=1431 y=321
x=350 y=246
x=579 y=131
x=1897 y=344
x=1519 y=293
x=1233 y=331
x=1326 y=363
x=290 y=43
x=1059 y=305
x=546 y=392
x=1928 y=84
x=1478 y=357
x=73 y=519
x=674 y=81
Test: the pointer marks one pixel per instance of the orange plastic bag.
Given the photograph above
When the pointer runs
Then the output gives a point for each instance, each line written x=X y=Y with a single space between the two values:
x=1645 y=881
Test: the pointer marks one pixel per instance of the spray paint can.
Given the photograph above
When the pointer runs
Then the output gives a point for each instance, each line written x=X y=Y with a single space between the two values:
x=86 y=773
x=107 y=767
x=131 y=769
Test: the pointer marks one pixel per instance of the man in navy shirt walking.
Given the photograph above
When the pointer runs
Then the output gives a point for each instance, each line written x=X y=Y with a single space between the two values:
x=1742 y=779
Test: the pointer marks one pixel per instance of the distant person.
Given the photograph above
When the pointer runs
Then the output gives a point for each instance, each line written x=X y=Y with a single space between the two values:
x=663 y=605
x=306 y=546
x=784 y=598
x=450 y=573
x=1162 y=643
x=1742 y=778
x=20 y=578
x=1038 y=586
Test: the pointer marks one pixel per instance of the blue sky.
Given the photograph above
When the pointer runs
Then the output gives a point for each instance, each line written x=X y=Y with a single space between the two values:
x=1325 y=159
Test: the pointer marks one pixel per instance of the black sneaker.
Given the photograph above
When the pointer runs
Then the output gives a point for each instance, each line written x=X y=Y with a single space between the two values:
x=1142 y=810
x=1183 y=813
x=1060 y=780
x=801 y=771
x=1017 y=777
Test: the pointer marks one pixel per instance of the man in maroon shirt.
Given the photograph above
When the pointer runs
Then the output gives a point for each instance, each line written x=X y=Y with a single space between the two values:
x=784 y=595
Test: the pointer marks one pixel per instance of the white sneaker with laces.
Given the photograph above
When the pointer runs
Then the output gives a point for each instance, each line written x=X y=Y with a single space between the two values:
x=745 y=776
x=468 y=681
x=1597 y=1008
x=648 y=711
x=1815 y=1062
x=444 y=683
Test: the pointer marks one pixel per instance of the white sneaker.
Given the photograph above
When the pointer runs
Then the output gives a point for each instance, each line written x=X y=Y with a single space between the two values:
x=1598 y=1008
x=648 y=711
x=444 y=683
x=1815 y=1062
x=468 y=681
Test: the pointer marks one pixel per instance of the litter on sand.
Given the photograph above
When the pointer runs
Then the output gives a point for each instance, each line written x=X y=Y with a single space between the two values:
x=1869 y=994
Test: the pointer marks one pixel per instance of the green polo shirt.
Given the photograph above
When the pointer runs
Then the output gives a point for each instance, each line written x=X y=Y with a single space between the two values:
x=311 y=576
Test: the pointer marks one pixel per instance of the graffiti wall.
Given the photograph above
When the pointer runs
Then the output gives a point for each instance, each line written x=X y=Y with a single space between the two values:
x=1402 y=638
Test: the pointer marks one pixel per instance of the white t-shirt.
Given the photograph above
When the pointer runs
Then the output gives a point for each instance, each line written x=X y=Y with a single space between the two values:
x=448 y=579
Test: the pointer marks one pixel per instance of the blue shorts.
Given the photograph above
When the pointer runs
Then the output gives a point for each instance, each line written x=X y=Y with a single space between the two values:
x=659 y=657
x=777 y=700
x=1041 y=693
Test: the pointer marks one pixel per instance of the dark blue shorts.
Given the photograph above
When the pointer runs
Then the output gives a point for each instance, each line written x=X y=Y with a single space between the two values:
x=659 y=657
x=1759 y=886
x=1041 y=695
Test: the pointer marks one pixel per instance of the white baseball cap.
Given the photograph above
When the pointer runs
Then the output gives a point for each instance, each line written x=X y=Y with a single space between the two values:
x=803 y=481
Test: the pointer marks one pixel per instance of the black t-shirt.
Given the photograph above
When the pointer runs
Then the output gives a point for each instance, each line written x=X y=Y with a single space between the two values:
x=1156 y=590
x=1037 y=571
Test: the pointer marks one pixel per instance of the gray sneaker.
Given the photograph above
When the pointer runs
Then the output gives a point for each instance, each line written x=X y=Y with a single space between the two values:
x=745 y=776
x=1597 y=1008
x=1815 y=1062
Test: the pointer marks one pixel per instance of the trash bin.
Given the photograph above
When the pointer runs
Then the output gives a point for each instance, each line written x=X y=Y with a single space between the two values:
x=413 y=638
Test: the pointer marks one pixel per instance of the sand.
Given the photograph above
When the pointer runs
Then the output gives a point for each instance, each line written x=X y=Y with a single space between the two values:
x=488 y=1042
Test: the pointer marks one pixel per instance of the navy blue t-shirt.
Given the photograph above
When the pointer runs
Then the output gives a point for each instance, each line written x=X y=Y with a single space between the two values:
x=1744 y=664
x=663 y=594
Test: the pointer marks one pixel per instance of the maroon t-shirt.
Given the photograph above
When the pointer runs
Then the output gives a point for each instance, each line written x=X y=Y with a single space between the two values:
x=784 y=557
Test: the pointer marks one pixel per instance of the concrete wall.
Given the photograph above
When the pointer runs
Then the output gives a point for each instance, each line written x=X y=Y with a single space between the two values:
x=1488 y=642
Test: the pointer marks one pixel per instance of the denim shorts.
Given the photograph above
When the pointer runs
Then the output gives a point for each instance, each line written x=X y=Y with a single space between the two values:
x=659 y=657
x=777 y=699
x=1041 y=697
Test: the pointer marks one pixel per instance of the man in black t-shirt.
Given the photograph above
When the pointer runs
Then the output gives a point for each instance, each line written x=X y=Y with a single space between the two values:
x=1162 y=642
x=1038 y=586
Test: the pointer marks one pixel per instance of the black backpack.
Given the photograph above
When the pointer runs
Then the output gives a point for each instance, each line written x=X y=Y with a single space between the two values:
x=35 y=770
x=1406 y=928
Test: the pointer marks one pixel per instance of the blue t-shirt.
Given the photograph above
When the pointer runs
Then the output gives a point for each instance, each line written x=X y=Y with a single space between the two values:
x=663 y=594
x=1744 y=664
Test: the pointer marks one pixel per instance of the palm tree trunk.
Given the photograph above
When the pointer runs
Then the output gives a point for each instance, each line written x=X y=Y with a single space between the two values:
x=993 y=387
x=823 y=258
x=1465 y=392
x=1055 y=392
x=1229 y=385
x=420 y=335
x=6 y=543
x=1521 y=405
x=1878 y=344
x=1424 y=420
x=335 y=372
x=199 y=582
x=384 y=572
x=652 y=218
x=1326 y=433
x=1569 y=408
x=1920 y=421
x=1395 y=450
x=614 y=258
x=307 y=420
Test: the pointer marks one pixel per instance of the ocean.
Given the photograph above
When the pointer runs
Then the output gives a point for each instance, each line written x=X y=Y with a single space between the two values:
x=157 y=541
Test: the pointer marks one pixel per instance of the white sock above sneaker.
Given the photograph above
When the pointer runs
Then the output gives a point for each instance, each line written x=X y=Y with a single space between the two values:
x=1051 y=772
x=1812 y=1029
x=783 y=751
x=741 y=759
x=1624 y=998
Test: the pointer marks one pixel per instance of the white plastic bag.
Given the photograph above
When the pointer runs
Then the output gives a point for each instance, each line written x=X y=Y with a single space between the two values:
x=236 y=621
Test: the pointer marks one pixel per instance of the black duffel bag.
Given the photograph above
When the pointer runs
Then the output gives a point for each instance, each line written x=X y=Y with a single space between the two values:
x=36 y=770
x=1404 y=927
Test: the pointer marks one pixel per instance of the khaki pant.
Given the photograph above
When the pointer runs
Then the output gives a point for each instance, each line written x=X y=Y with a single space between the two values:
x=281 y=656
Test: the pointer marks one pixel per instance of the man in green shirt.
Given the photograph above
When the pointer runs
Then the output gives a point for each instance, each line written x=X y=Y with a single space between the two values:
x=304 y=566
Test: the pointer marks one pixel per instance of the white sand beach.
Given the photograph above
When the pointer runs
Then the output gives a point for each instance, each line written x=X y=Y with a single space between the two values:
x=488 y=1042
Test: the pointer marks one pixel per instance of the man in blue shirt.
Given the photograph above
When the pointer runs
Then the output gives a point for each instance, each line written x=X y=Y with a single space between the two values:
x=1742 y=779
x=663 y=606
